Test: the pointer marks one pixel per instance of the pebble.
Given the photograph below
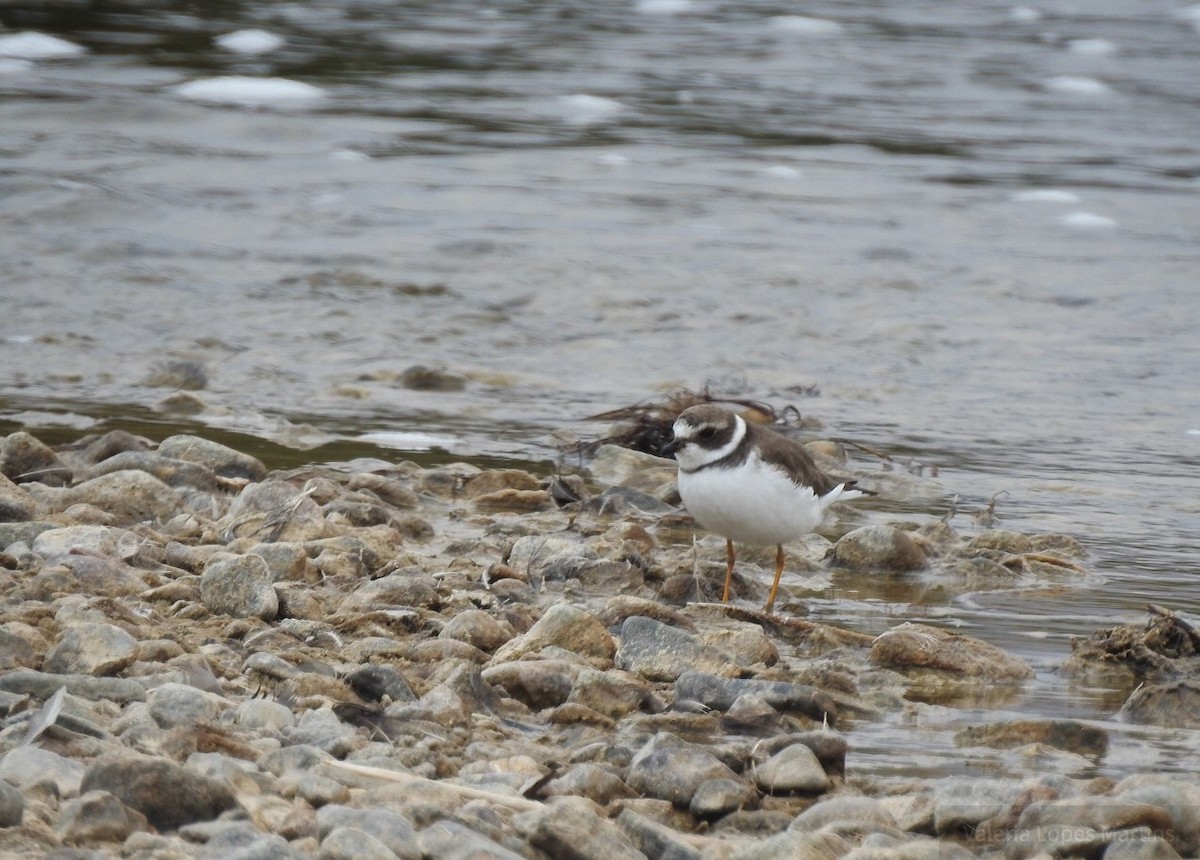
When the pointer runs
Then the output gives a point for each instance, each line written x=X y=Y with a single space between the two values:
x=97 y=816
x=562 y=626
x=220 y=459
x=182 y=705
x=672 y=769
x=92 y=649
x=794 y=769
x=962 y=658
x=168 y=794
x=879 y=547
x=660 y=652
x=241 y=586
x=16 y=505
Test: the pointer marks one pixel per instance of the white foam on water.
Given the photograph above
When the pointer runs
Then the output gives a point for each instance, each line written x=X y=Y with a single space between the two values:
x=613 y=159
x=782 y=171
x=1024 y=14
x=249 y=91
x=408 y=441
x=1045 y=195
x=802 y=25
x=1077 y=85
x=250 y=41
x=583 y=109
x=664 y=7
x=1092 y=47
x=1087 y=221
x=14 y=66
x=31 y=45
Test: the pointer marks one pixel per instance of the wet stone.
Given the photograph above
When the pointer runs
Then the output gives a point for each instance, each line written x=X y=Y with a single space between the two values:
x=919 y=646
x=878 y=547
x=672 y=769
x=660 y=652
x=169 y=795
x=92 y=649
x=1063 y=734
x=1172 y=705
x=96 y=816
x=12 y=804
x=792 y=770
x=719 y=693
x=221 y=459
x=421 y=378
x=25 y=458
x=240 y=586
x=715 y=798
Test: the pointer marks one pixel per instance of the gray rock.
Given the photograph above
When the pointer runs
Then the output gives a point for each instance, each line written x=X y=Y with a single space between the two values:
x=715 y=798
x=186 y=374
x=86 y=574
x=1067 y=735
x=25 y=458
x=672 y=769
x=43 y=685
x=568 y=828
x=240 y=586
x=477 y=628
x=287 y=562
x=291 y=759
x=394 y=831
x=792 y=844
x=919 y=646
x=92 y=649
x=264 y=716
x=349 y=843
x=1179 y=797
x=96 y=816
x=562 y=626
x=375 y=681
x=1175 y=704
x=613 y=693
x=655 y=840
x=596 y=782
x=1140 y=844
x=12 y=804
x=450 y=840
x=52 y=544
x=273 y=512
x=878 y=547
x=128 y=495
x=828 y=746
x=169 y=795
x=171 y=471
x=792 y=770
x=14 y=651
x=660 y=652
x=549 y=557
x=183 y=705
x=720 y=693
x=221 y=459
x=962 y=804
x=16 y=505
x=833 y=812
x=614 y=464
x=538 y=683
x=28 y=765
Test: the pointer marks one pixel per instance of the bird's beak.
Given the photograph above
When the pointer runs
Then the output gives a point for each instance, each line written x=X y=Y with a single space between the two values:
x=670 y=448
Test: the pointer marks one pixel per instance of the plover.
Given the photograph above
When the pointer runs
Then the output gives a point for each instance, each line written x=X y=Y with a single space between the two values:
x=750 y=484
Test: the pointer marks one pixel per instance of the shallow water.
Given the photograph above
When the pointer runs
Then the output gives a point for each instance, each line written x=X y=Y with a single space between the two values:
x=973 y=229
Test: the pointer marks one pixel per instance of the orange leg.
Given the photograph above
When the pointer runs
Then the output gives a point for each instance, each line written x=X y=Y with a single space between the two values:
x=778 y=573
x=729 y=559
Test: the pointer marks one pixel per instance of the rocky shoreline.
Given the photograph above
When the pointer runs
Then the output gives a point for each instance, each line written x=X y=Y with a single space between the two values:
x=200 y=658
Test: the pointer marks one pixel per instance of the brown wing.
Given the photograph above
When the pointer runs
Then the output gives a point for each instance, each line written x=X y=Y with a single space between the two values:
x=794 y=458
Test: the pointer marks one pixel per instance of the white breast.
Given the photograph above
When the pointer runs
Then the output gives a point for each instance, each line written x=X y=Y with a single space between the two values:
x=753 y=503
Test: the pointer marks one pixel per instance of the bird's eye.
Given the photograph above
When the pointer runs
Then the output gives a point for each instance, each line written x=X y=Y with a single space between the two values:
x=707 y=433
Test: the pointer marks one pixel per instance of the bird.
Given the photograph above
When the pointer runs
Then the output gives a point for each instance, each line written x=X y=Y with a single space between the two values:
x=750 y=484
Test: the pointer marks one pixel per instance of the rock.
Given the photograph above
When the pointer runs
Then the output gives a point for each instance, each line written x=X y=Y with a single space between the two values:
x=375 y=681
x=92 y=649
x=878 y=547
x=96 y=816
x=222 y=460
x=26 y=766
x=715 y=798
x=919 y=646
x=792 y=770
x=1139 y=844
x=449 y=840
x=538 y=683
x=43 y=685
x=1172 y=705
x=168 y=794
x=273 y=512
x=185 y=374
x=12 y=804
x=16 y=505
x=961 y=804
x=1179 y=797
x=792 y=844
x=85 y=574
x=646 y=473
x=999 y=540
x=672 y=769
x=861 y=813
x=14 y=651
x=659 y=652
x=612 y=693
x=1082 y=825
x=392 y=830
x=568 y=828
x=549 y=557
x=720 y=693
x=53 y=544
x=240 y=586
x=1067 y=735
x=477 y=628
x=287 y=562
x=349 y=843
x=562 y=626
x=181 y=705
x=653 y=839
x=128 y=496
x=264 y=716
x=596 y=782
x=494 y=480
x=422 y=378
x=24 y=458
x=172 y=472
